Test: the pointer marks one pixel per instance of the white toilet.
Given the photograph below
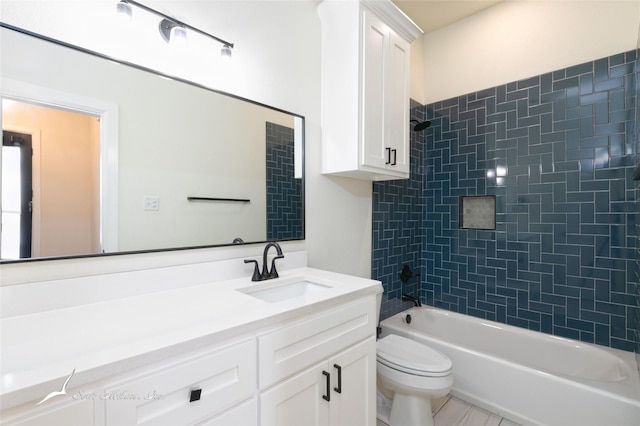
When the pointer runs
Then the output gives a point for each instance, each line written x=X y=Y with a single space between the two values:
x=409 y=375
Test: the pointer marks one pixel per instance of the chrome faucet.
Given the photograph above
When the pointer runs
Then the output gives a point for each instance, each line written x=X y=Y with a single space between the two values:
x=266 y=274
x=415 y=300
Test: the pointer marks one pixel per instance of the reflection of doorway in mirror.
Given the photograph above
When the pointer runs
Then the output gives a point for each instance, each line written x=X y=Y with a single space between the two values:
x=66 y=184
x=17 y=191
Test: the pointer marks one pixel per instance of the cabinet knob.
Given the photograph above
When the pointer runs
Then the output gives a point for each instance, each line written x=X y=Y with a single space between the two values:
x=195 y=395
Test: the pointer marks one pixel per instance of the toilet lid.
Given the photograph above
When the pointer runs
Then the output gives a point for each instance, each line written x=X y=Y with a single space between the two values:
x=409 y=356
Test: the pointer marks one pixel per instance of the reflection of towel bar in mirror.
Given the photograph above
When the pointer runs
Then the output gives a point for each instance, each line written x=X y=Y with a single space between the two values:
x=232 y=200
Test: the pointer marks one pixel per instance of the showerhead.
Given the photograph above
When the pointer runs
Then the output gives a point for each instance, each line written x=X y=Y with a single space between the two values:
x=420 y=125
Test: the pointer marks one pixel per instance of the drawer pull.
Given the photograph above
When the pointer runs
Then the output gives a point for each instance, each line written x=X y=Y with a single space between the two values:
x=339 y=387
x=195 y=395
x=327 y=397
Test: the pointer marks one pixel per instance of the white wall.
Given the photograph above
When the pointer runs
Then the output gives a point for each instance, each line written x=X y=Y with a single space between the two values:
x=276 y=61
x=518 y=39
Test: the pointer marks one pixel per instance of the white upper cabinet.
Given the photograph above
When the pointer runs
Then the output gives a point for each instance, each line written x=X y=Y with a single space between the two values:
x=365 y=89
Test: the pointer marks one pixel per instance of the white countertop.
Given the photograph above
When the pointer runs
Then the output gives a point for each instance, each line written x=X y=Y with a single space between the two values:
x=38 y=351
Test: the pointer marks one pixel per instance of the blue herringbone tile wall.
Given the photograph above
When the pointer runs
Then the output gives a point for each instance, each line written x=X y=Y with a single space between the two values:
x=558 y=151
x=398 y=227
x=636 y=280
x=284 y=191
x=636 y=318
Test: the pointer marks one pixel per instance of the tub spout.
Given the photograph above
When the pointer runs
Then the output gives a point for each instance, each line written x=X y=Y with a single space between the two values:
x=415 y=300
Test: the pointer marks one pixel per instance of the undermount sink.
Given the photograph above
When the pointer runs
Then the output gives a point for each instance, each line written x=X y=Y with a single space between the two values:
x=276 y=292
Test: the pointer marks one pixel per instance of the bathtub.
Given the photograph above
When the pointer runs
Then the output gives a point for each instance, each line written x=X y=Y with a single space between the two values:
x=528 y=377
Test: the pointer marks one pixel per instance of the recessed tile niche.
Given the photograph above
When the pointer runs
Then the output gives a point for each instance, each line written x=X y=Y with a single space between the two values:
x=478 y=212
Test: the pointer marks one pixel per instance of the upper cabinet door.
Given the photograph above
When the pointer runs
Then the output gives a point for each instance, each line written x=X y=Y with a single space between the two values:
x=385 y=105
x=374 y=72
x=397 y=101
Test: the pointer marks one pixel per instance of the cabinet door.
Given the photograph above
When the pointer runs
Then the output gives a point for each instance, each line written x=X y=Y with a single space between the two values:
x=374 y=151
x=397 y=102
x=385 y=103
x=353 y=375
x=297 y=401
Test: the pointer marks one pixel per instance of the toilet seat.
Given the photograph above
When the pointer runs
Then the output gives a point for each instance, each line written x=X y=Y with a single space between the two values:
x=411 y=357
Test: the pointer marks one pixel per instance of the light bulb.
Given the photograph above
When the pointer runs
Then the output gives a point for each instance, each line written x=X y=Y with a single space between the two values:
x=178 y=35
x=225 y=52
x=124 y=11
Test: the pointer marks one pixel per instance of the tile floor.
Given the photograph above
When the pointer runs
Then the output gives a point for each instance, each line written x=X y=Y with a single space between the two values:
x=451 y=411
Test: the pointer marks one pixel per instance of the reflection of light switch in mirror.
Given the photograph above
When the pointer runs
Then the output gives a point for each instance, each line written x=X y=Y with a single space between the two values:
x=151 y=203
x=478 y=212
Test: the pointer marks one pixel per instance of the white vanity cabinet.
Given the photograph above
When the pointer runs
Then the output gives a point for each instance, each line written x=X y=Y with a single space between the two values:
x=365 y=89
x=240 y=361
x=323 y=367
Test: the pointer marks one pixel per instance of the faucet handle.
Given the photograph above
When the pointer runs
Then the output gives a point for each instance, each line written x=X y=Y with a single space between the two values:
x=256 y=272
x=273 y=273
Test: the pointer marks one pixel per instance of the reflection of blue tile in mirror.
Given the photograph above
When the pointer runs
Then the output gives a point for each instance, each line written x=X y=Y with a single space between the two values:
x=478 y=212
x=284 y=190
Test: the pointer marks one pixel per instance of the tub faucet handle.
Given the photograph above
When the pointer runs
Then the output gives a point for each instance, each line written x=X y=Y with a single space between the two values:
x=406 y=274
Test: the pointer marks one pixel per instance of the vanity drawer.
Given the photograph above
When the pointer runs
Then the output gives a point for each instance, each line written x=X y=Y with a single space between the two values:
x=214 y=381
x=293 y=348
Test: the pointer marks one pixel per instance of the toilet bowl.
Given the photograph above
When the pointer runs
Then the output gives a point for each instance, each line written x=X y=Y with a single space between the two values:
x=410 y=374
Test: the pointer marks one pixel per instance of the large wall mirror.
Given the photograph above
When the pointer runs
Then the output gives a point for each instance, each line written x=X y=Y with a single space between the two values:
x=101 y=157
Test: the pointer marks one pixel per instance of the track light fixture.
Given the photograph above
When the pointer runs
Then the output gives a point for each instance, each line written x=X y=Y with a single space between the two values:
x=171 y=28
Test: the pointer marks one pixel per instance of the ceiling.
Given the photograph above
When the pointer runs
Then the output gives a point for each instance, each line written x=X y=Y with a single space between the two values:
x=431 y=15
